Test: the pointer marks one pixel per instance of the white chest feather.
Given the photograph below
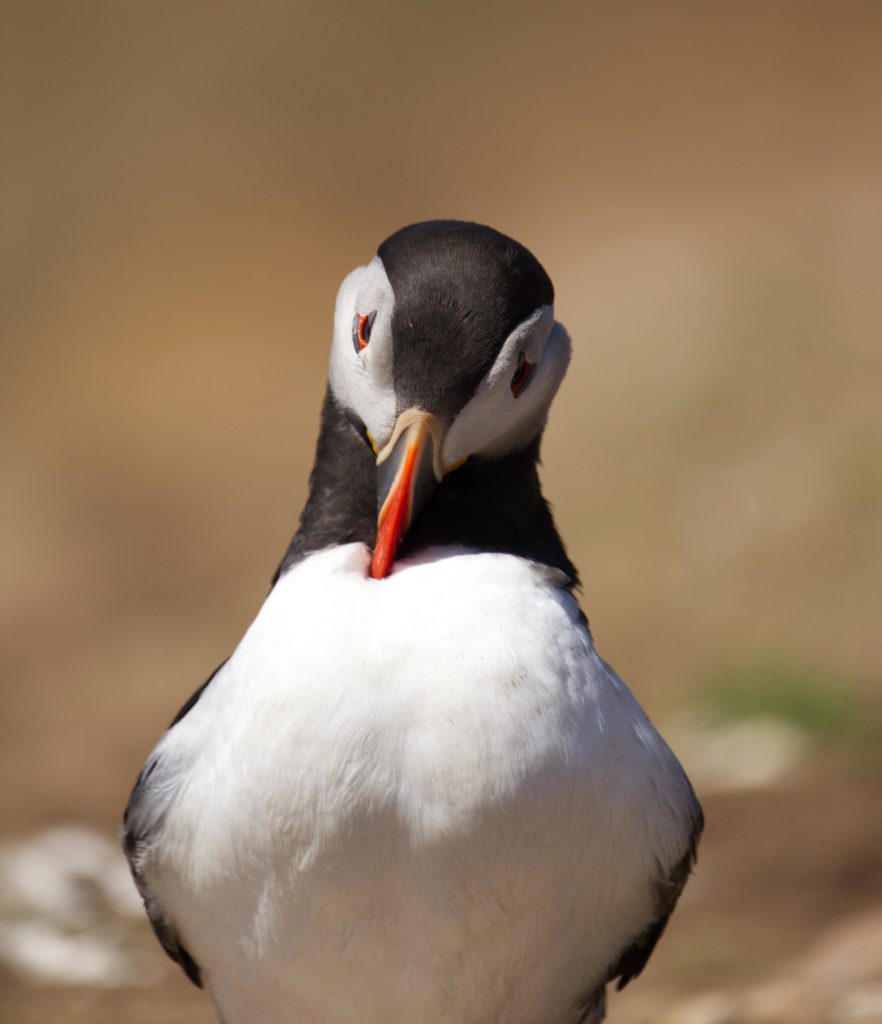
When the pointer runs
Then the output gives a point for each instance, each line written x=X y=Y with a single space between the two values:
x=425 y=799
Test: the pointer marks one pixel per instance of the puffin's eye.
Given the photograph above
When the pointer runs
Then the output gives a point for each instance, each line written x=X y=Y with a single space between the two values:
x=362 y=325
x=521 y=375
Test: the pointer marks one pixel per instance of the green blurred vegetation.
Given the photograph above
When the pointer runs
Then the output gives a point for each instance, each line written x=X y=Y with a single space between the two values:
x=825 y=705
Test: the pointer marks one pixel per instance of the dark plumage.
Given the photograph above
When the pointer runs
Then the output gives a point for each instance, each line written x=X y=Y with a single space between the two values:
x=460 y=289
x=488 y=505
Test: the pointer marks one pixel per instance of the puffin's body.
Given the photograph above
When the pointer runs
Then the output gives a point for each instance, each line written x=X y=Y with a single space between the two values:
x=415 y=792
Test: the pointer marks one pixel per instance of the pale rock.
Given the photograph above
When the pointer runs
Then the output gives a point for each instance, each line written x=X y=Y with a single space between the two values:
x=739 y=756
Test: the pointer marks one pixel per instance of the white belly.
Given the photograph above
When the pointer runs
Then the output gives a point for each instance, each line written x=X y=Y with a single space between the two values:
x=421 y=799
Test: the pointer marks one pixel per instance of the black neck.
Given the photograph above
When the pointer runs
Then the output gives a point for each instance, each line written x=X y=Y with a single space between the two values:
x=485 y=505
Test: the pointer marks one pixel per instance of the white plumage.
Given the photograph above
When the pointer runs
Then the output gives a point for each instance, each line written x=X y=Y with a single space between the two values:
x=465 y=799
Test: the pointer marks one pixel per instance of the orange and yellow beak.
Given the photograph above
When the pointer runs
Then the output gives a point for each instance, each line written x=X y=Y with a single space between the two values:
x=408 y=471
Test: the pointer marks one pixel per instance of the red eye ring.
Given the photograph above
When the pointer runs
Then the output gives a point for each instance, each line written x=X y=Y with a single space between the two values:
x=521 y=375
x=362 y=325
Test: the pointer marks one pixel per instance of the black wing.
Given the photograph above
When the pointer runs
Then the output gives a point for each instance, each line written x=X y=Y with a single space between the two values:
x=668 y=889
x=141 y=817
x=632 y=961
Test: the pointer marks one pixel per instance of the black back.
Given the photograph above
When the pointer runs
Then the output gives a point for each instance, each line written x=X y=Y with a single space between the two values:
x=342 y=502
x=460 y=290
x=487 y=505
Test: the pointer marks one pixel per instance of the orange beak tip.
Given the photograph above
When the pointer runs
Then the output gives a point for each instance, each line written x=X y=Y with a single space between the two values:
x=391 y=528
x=381 y=562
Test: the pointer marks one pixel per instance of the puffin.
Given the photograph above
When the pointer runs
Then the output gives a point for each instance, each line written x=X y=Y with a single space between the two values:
x=415 y=791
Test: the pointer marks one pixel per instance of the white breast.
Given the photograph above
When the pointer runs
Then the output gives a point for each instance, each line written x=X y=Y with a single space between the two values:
x=424 y=798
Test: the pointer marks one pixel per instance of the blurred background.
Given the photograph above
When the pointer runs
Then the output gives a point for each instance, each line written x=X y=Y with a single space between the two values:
x=183 y=186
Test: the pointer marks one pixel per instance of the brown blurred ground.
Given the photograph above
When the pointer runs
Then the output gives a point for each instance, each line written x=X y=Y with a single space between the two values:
x=182 y=187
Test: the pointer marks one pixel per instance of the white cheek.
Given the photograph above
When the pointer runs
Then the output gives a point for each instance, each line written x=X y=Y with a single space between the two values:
x=495 y=423
x=362 y=382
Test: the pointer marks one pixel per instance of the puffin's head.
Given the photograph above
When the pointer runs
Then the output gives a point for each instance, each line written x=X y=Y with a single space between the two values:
x=445 y=349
